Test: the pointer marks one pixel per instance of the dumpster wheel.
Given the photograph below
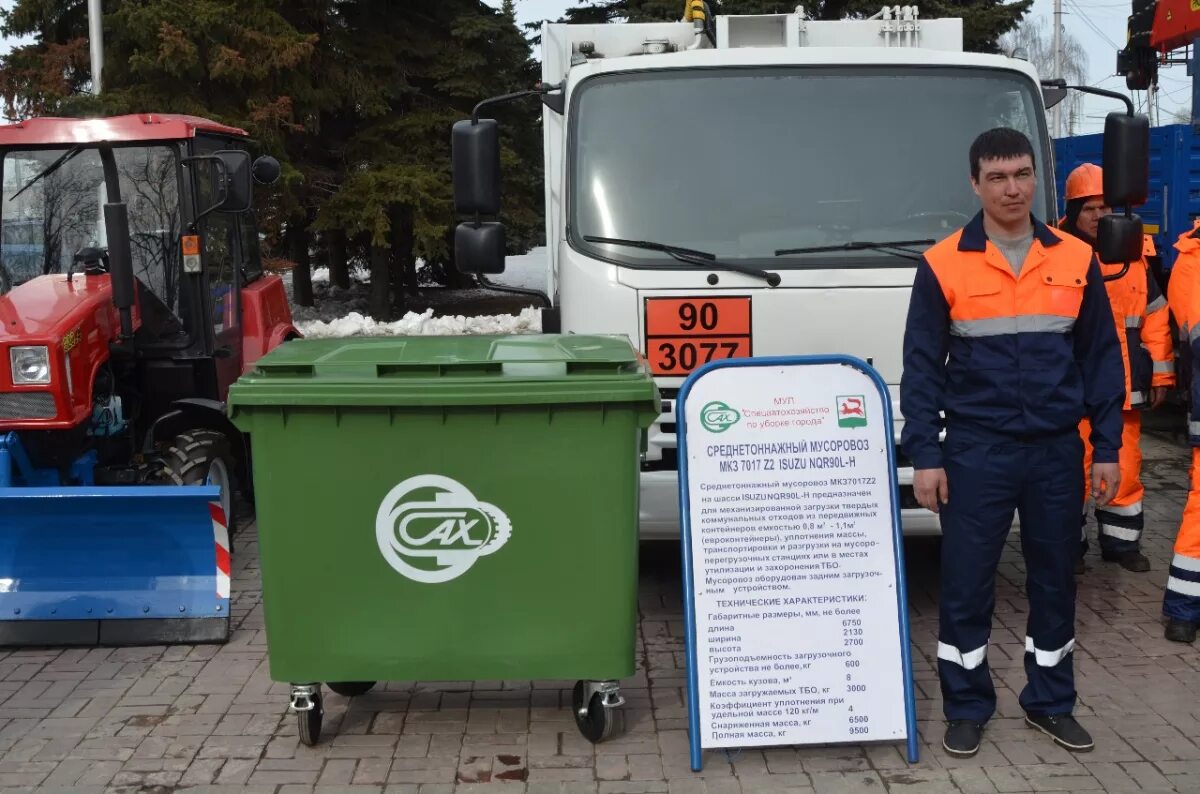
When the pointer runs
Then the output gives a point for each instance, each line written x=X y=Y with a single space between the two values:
x=310 y=711
x=350 y=689
x=597 y=706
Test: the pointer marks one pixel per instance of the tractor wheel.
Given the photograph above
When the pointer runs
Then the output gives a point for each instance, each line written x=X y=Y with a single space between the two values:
x=5 y=281
x=242 y=498
x=203 y=457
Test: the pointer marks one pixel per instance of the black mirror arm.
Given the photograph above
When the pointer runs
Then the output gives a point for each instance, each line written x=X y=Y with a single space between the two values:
x=541 y=90
x=1119 y=275
x=1087 y=89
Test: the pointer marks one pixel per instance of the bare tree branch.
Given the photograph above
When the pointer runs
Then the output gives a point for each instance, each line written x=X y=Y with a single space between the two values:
x=1034 y=37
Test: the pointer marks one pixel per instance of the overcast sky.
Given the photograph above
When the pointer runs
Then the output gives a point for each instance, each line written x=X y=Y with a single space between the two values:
x=1098 y=24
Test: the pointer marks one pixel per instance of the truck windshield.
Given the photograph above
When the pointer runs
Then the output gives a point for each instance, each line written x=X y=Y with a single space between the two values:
x=743 y=162
x=46 y=225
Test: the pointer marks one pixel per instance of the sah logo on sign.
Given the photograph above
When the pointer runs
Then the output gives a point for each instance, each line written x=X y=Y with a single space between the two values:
x=851 y=410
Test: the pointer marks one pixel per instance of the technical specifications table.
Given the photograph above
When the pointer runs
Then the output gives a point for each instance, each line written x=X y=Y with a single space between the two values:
x=793 y=593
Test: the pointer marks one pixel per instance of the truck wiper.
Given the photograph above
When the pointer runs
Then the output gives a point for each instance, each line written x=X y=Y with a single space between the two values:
x=897 y=247
x=690 y=256
x=50 y=169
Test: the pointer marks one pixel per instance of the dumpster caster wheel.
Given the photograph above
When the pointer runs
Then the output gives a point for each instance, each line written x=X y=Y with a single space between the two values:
x=306 y=702
x=350 y=689
x=597 y=707
x=310 y=724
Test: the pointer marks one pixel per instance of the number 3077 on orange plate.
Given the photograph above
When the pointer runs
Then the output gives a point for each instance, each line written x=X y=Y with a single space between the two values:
x=685 y=333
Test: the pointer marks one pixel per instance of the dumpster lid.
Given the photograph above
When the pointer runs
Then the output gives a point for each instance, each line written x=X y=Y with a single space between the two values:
x=449 y=370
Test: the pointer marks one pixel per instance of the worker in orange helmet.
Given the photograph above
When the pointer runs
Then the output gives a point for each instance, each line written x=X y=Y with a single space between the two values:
x=1181 y=601
x=1143 y=327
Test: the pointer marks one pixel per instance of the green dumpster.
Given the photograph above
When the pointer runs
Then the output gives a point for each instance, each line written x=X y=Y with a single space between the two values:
x=449 y=509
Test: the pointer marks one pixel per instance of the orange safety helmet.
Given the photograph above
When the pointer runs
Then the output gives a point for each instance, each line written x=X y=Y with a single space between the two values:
x=1086 y=180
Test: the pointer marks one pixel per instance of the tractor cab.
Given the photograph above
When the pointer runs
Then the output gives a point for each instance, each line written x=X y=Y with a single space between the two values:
x=132 y=295
x=178 y=191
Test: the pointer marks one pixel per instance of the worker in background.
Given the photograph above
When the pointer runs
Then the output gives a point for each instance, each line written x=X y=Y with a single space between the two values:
x=1181 y=602
x=1143 y=327
x=1009 y=333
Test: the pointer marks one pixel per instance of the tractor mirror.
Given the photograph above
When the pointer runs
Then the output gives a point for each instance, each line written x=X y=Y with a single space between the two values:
x=1126 y=160
x=233 y=181
x=1119 y=239
x=266 y=170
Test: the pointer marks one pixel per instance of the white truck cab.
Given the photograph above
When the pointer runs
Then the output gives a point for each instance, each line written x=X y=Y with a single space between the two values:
x=758 y=189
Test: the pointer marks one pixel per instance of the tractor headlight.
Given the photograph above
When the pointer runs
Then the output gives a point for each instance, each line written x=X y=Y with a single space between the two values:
x=30 y=365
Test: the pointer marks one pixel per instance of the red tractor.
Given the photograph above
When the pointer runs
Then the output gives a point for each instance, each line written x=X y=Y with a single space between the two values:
x=134 y=297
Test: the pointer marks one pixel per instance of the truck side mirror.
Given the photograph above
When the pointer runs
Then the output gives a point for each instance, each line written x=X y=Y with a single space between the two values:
x=1119 y=238
x=1051 y=96
x=479 y=248
x=1126 y=160
x=475 y=157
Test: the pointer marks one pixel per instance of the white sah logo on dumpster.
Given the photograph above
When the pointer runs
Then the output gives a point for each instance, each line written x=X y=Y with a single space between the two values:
x=432 y=529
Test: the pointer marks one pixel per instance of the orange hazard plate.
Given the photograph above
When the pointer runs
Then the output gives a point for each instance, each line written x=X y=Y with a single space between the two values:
x=685 y=333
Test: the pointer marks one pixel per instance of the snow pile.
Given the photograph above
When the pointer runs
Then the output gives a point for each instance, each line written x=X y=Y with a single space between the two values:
x=529 y=321
x=527 y=271
x=341 y=312
x=320 y=275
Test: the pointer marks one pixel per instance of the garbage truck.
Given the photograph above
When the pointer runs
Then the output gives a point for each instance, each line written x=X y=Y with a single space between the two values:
x=118 y=465
x=731 y=186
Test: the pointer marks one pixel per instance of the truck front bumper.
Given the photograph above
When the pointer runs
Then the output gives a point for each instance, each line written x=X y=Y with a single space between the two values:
x=659 y=509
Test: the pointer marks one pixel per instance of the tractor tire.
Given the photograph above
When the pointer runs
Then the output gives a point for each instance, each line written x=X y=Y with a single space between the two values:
x=5 y=281
x=201 y=455
x=242 y=501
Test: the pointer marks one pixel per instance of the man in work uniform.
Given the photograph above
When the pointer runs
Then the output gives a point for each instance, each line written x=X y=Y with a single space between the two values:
x=1181 y=602
x=1010 y=334
x=1143 y=328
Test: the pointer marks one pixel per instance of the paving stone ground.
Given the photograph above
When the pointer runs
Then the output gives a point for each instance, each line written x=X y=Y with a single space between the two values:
x=207 y=718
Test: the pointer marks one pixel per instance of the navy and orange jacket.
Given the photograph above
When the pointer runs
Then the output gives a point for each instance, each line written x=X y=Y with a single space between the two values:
x=1143 y=327
x=1010 y=357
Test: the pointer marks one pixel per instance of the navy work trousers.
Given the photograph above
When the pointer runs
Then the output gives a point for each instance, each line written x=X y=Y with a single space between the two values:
x=990 y=478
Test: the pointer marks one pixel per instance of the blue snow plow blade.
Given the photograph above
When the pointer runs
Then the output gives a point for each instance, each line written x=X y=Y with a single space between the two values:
x=146 y=565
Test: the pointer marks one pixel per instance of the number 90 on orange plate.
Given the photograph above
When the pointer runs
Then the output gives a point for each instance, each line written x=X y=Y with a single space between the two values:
x=689 y=332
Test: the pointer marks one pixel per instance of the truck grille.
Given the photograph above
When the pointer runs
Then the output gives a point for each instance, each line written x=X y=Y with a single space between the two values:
x=662 y=454
x=27 y=405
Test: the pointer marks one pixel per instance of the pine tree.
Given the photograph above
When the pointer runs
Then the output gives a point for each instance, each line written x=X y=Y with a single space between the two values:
x=239 y=62
x=230 y=60
x=355 y=97
x=428 y=68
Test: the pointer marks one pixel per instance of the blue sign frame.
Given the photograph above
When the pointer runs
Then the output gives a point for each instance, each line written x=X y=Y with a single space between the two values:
x=689 y=600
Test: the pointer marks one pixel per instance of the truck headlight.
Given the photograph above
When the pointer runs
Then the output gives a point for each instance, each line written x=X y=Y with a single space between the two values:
x=30 y=365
